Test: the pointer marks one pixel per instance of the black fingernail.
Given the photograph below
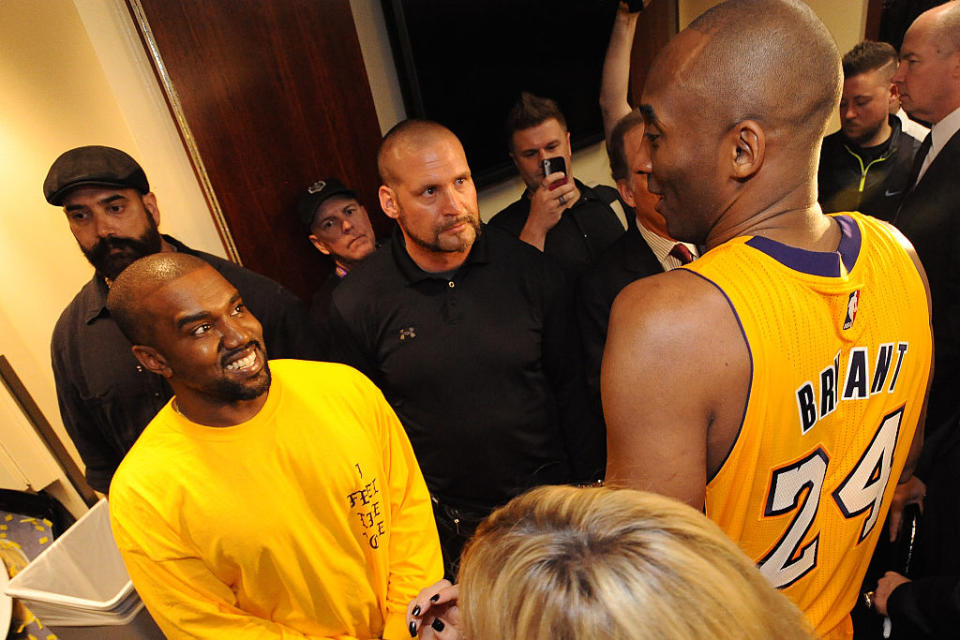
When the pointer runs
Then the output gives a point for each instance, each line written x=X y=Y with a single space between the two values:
x=416 y=611
x=413 y=629
x=434 y=597
x=437 y=625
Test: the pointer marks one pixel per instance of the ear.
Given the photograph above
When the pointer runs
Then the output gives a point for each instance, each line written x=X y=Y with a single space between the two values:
x=152 y=360
x=748 y=145
x=894 y=98
x=626 y=192
x=955 y=70
x=150 y=204
x=388 y=202
x=319 y=244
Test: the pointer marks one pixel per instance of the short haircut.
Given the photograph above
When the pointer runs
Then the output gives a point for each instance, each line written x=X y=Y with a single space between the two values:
x=563 y=563
x=139 y=280
x=409 y=133
x=530 y=111
x=869 y=56
x=773 y=61
x=616 y=144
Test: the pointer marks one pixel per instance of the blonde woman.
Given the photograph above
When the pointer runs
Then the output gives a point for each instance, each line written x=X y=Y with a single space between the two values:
x=560 y=563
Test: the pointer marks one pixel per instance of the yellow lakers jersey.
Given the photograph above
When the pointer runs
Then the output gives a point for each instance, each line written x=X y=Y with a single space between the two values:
x=840 y=351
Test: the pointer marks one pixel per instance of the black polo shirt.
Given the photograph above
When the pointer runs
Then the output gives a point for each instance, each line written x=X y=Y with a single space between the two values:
x=106 y=397
x=483 y=367
x=584 y=231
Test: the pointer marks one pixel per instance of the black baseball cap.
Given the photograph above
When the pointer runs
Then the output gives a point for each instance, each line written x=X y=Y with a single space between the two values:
x=318 y=193
x=93 y=165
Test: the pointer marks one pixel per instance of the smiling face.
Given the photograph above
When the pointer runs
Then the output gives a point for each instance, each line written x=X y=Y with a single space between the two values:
x=341 y=228
x=205 y=341
x=681 y=153
x=113 y=226
x=548 y=139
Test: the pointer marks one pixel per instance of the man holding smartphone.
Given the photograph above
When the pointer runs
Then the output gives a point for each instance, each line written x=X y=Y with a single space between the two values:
x=557 y=214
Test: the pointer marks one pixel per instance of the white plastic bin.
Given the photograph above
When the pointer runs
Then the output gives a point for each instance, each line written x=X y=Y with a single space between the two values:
x=80 y=588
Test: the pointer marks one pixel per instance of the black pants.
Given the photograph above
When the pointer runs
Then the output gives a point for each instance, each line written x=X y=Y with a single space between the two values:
x=456 y=525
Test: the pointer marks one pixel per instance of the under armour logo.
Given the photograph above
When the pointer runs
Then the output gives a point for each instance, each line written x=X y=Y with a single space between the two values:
x=317 y=186
x=408 y=334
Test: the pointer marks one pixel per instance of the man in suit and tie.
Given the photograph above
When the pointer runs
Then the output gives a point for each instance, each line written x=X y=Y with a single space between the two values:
x=929 y=83
x=645 y=249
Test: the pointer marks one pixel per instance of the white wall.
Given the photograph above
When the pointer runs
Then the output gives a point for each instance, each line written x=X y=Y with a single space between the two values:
x=589 y=165
x=73 y=74
x=846 y=20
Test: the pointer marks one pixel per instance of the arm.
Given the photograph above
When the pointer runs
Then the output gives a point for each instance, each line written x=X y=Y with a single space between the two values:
x=99 y=458
x=593 y=313
x=910 y=489
x=615 y=81
x=347 y=348
x=415 y=558
x=924 y=606
x=675 y=376
x=546 y=208
x=581 y=428
x=182 y=594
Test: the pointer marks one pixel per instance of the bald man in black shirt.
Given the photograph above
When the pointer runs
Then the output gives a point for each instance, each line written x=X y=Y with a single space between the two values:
x=470 y=334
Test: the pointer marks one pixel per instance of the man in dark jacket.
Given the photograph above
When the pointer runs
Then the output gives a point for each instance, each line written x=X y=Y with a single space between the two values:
x=106 y=398
x=866 y=165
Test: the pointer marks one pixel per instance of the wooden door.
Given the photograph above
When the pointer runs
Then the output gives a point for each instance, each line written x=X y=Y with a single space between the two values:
x=269 y=96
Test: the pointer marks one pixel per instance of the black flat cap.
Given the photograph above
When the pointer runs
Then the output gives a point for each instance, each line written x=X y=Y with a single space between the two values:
x=93 y=165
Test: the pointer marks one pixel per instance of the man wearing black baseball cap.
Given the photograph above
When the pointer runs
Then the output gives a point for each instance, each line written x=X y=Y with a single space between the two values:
x=105 y=397
x=340 y=228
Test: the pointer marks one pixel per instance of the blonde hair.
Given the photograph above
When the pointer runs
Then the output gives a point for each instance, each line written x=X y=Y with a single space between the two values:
x=560 y=563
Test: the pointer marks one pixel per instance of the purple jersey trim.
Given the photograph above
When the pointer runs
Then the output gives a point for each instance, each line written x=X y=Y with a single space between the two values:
x=746 y=404
x=817 y=263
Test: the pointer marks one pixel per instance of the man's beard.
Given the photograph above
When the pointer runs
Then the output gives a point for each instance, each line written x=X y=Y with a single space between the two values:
x=434 y=244
x=110 y=265
x=865 y=135
x=230 y=391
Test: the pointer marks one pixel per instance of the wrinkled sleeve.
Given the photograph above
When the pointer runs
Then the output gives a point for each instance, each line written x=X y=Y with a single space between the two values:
x=926 y=606
x=415 y=560
x=97 y=454
x=582 y=428
x=182 y=594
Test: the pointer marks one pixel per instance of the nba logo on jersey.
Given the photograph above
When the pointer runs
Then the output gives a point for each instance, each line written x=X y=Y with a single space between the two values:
x=853 y=302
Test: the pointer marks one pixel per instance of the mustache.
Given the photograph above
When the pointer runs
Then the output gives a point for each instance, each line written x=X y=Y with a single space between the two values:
x=103 y=248
x=226 y=357
x=460 y=220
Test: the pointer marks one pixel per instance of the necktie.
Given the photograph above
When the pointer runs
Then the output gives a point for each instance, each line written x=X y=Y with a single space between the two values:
x=681 y=253
x=914 y=173
x=918 y=160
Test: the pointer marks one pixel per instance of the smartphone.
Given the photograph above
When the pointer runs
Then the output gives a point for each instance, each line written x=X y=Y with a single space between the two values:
x=554 y=165
x=635 y=6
